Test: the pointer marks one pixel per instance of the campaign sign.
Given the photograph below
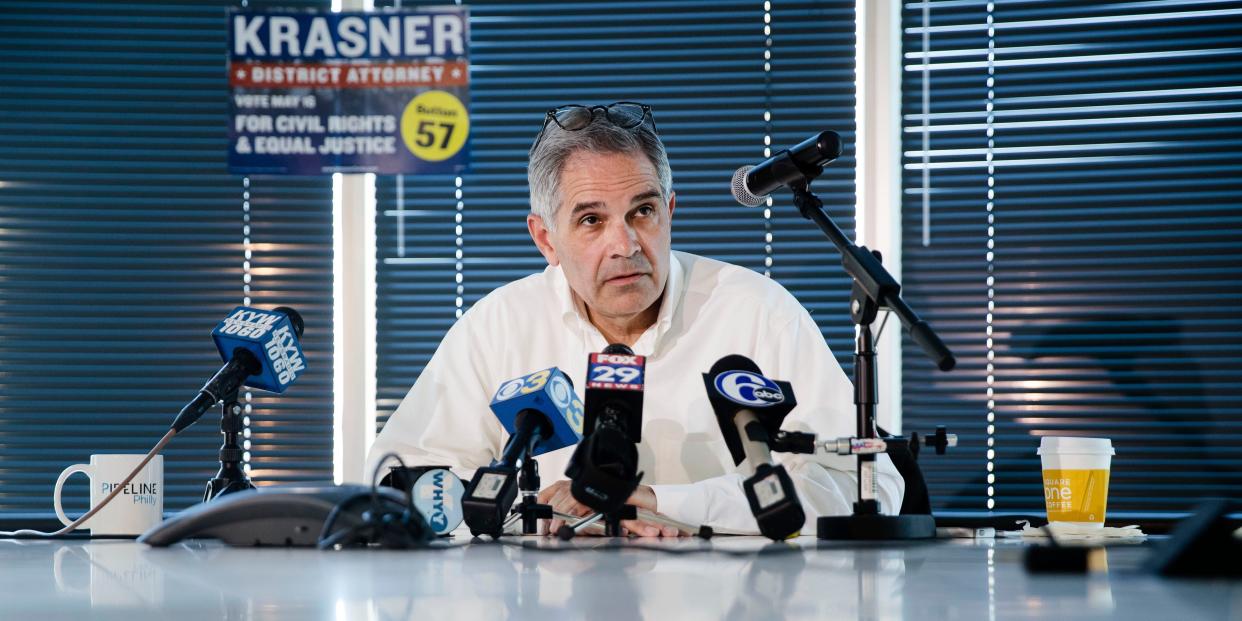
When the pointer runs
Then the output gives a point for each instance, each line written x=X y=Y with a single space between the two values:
x=382 y=92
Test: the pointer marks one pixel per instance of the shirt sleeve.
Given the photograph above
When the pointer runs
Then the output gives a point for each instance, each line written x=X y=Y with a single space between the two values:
x=444 y=420
x=826 y=484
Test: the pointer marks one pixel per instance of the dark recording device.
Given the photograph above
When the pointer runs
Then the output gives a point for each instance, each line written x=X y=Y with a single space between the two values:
x=604 y=468
x=299 y=516
x=750 y=409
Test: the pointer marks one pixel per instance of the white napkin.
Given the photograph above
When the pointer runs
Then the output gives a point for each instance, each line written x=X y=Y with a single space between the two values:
x=1064 y=531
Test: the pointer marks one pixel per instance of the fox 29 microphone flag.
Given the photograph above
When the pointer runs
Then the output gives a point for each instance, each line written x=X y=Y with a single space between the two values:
x=272 y=337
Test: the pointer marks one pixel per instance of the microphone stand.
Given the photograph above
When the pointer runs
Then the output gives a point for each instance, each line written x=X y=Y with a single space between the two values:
x=611 y=526
x=612 y=522
x=584 y=468
x=873 y=287
x=574 y=525
x=231 y=477
x=529 y=511
x=493 y=512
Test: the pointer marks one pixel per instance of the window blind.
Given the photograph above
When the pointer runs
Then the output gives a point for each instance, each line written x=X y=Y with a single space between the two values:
x=125 y=240
x=1071 y=225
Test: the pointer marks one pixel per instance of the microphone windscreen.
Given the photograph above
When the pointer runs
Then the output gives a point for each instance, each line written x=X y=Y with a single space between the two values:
x=741 y=193
x=437 y=495
x=619 y=348
x=734 y=362
x=295 y=318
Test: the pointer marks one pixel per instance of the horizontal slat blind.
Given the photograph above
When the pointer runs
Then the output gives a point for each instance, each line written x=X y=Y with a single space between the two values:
x=812 y=86
x=124 y=242
x=1080 y=164
x=701 y=66
x=291 y=435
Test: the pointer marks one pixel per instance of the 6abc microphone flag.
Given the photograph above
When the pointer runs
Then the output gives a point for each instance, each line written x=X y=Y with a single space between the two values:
x=750 y=409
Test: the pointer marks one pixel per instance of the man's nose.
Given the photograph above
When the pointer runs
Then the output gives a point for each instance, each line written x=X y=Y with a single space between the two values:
x=622 y=239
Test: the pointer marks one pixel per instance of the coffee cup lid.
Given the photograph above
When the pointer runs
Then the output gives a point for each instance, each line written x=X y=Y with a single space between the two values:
x=1065 y=444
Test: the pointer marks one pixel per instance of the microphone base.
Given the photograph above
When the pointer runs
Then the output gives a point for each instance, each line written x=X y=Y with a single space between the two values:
x=612 y=522
x=875 y=527
x=220 y=486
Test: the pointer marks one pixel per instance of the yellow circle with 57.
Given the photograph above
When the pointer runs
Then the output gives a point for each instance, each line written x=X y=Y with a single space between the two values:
x=435 y=125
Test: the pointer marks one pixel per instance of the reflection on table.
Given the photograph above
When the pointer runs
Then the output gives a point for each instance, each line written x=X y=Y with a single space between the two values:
x=536 y=578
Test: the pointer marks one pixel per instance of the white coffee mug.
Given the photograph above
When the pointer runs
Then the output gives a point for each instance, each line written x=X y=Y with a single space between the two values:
x=137 y=508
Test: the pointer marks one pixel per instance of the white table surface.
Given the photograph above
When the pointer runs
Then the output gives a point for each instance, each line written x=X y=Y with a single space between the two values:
x=960 y=579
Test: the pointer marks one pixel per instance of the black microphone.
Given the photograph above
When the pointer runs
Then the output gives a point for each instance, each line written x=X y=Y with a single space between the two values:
x=604 y=468
x=749 y=409
x=753 y=184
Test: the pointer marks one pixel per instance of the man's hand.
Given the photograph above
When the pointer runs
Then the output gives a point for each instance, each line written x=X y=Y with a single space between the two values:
x=562 y=501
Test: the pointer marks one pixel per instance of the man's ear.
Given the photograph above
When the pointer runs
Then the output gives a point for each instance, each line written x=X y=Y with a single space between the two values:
x=672 y=203
x=539 y=233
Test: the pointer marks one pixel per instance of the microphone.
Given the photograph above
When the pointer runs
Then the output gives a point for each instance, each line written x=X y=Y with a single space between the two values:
x=260 y=350
x=749 y=409
x=434 y=490
x=604 y=468
x=544 y=400
x=753 y=184
x=541 y=414
x=437 y=495
x=614 y=390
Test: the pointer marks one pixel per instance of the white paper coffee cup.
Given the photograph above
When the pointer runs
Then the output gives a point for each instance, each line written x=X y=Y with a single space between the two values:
x=1075 y=475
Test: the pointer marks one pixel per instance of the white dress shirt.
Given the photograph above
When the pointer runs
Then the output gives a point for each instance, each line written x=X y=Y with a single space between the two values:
x=709 y=310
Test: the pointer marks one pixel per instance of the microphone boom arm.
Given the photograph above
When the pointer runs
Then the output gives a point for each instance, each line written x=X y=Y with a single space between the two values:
x=870 y=275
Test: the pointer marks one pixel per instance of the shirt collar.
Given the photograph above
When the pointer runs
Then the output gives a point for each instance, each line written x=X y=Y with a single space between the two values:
x=573 y=310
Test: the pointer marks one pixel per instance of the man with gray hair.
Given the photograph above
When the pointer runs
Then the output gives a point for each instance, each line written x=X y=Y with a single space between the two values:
x=601 y=214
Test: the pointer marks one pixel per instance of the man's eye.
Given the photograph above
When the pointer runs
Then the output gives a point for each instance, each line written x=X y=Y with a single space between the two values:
x=646 y=210
x=589 y=220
